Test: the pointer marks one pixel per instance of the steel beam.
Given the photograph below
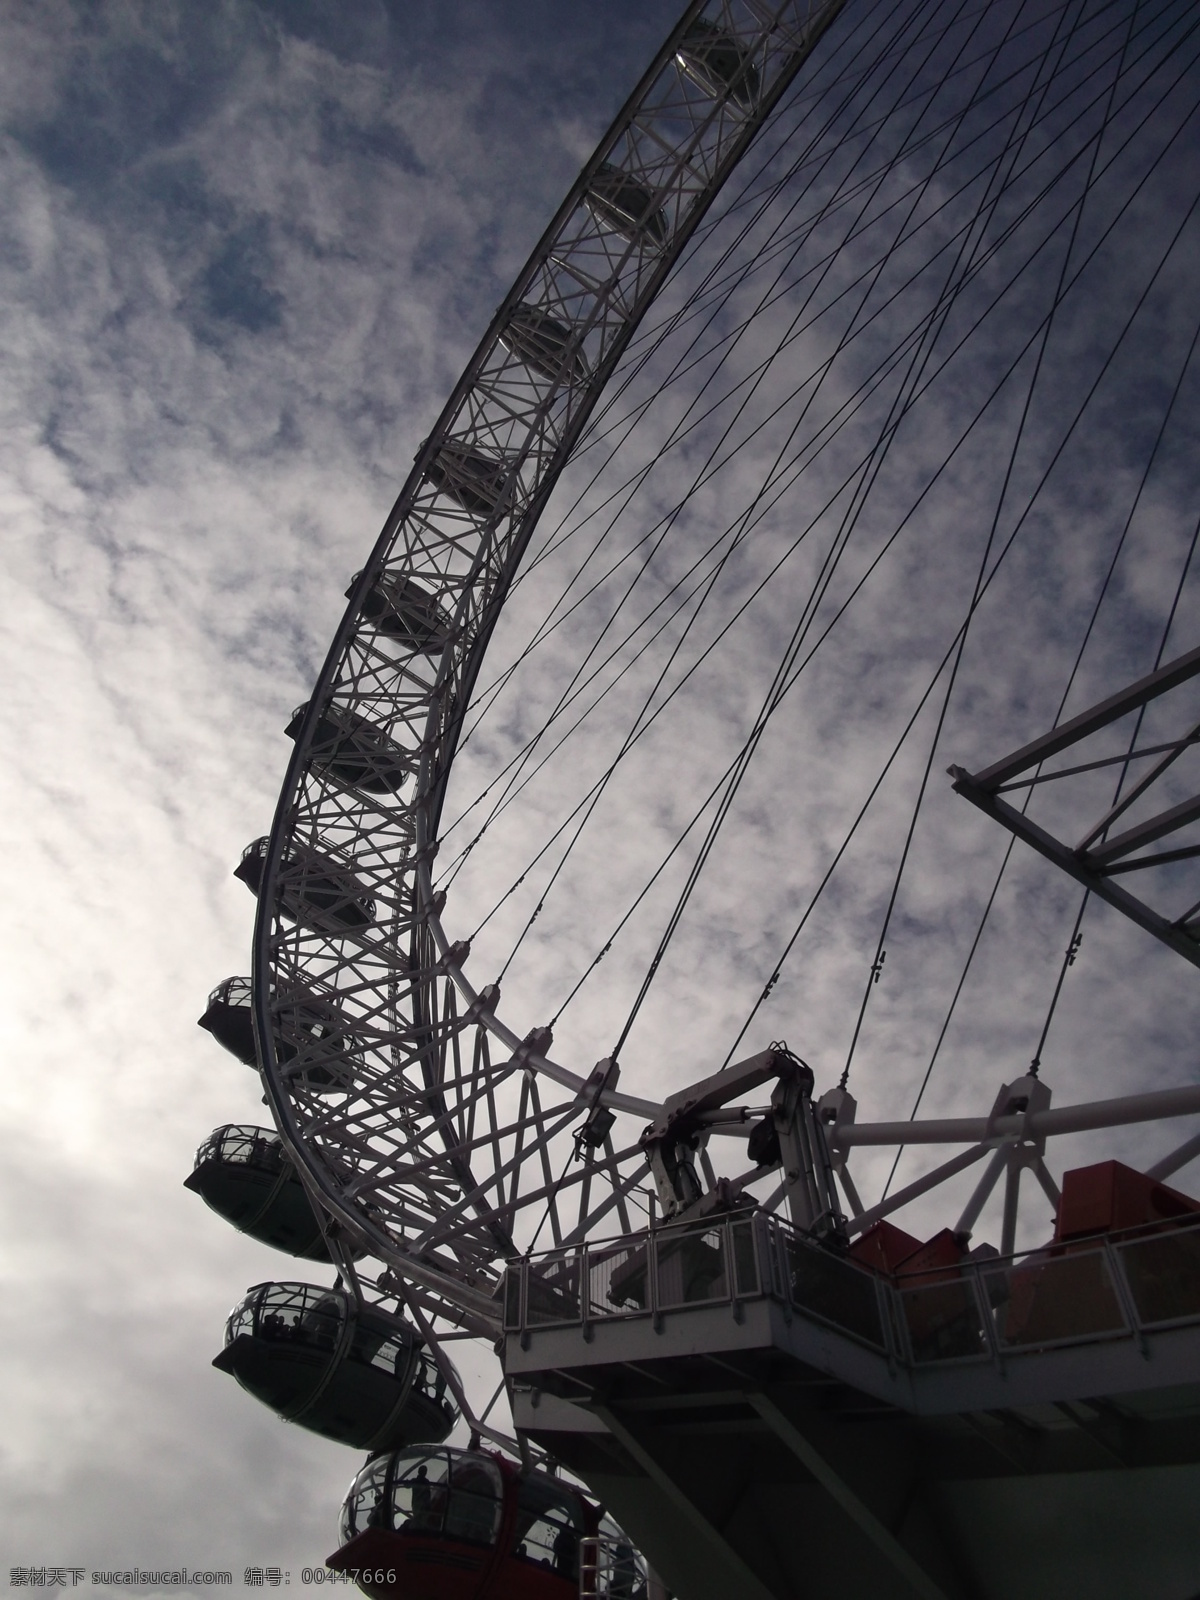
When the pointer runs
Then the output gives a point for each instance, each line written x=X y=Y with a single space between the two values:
x=750 y=1586
x=1153 y=1106
x=913 y=1191
x=840 y=1492
x=1092 y=720
x=973 y=789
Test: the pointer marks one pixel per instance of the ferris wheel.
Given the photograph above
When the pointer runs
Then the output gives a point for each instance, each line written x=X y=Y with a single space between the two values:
x=835 y=433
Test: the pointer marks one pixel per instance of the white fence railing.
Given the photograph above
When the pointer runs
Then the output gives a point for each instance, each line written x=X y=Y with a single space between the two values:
x=1117 y=1286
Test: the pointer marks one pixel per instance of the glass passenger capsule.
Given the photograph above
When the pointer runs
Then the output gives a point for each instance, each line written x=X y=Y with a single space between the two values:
x=354 y=750
x=626 y=206
x=403 y=609
x=716 y=63
x=229 y=1019
x=245 y=1176
x=475 y=480
x=304 y=1025
x=355 y=1374
x=462 y=1524
x=314 y=890
x=544 y=344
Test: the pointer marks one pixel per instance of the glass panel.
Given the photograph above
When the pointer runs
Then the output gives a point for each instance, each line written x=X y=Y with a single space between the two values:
x=745 y=1269
x=241 y=1319
x=361 y=1508
x=1163 y=1273
x=834 y=1290
x=943 y=1321
x=512 y=1297
x=1055 y=1298
x=429 y=1377
x=691 y=1267
x=302 y=1313
x=420 y=1491
x=430 y=1381
x=473 y=1508
x=233 y=992
x=552 y=1291
x=548 y=1529
x=211 y=1147
x=321 y=1323
x=252 y=1147
x=616 y=1279
x=377 y=1347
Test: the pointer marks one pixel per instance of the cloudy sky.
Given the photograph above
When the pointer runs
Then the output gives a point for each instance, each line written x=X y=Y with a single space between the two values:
x=248 y=249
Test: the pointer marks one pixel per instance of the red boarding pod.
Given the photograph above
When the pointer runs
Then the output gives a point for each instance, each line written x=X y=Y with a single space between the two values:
x=444 y=1524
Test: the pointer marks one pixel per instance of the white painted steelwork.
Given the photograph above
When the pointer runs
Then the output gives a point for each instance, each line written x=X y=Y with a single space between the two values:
x=419 y=1128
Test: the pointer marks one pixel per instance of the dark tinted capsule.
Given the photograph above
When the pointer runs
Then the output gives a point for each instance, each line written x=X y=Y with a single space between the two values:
x=352 y=1373
x=626 y=206
x=245 y=1176
x=473 y=479
x=313 y=889
x=309 y=1034
x=544 y=344
x=354 y=750
x=403 y=609
x=716 y=63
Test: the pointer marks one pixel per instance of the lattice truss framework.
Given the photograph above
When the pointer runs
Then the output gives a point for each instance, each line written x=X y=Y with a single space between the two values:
x=421 y=1123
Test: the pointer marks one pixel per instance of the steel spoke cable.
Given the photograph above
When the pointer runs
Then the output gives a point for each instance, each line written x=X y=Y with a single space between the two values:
x=660 y=529
x=1032 y=203
x=632 y=735
x=652 y=335
x=800 y=102
x=1040 y=155
x=1081 y=269
x=564 y=529
x=921 y=357
x=1028 y=797
x=808 y=379
x=1012 y=536
x=1010 y=466
x=826 y=367
x=1046 y=115
x=635 y=483
x=885 y=367
x=825 y=578
x=709 y=798
x=652 y=332
x=741 y=271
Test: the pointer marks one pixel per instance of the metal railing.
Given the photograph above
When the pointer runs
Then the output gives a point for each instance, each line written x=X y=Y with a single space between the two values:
x=611 y=1569
x=1118 y=1286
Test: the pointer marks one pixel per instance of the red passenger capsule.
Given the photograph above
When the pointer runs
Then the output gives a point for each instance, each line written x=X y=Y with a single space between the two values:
x=468 y=1525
